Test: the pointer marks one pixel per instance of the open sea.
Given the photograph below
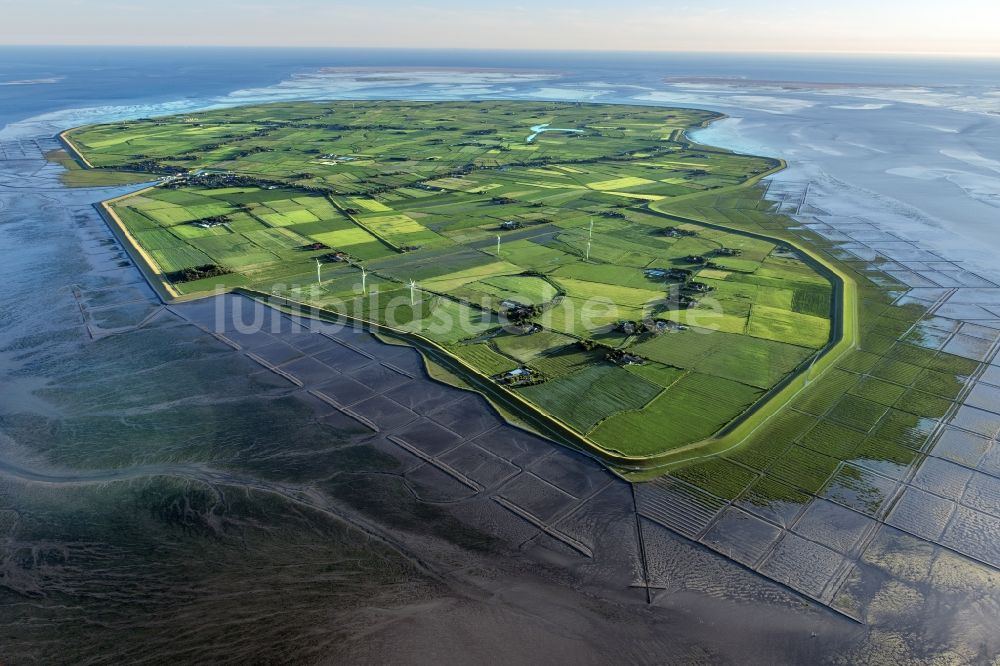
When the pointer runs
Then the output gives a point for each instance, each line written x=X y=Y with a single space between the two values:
x=916 y=138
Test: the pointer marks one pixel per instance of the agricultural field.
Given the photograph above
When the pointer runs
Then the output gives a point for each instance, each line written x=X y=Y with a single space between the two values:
x=545 y=264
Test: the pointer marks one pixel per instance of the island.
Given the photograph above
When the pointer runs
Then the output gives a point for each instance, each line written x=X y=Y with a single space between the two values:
x=541 y=251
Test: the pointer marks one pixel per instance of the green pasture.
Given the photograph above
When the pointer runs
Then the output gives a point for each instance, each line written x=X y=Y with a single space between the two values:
x=458 y=221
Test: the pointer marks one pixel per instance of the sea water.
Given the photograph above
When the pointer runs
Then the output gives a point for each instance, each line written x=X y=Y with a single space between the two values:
x=910 y=142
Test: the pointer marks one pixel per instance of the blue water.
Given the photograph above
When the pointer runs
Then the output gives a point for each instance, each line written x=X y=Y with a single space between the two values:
x=538 y=129
x=911 y=142
x=923 y=163
x=126 y=75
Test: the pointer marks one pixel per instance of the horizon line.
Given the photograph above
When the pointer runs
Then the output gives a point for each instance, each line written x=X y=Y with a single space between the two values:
x=913 y=54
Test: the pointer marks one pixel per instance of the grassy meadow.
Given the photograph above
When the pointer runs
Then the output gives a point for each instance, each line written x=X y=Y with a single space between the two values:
x=420 y=192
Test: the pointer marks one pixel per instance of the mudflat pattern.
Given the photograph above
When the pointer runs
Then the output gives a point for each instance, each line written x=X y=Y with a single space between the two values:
x=824 y=543
x=945 y=490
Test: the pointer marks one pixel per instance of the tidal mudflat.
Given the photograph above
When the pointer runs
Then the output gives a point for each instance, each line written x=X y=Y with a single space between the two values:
x=161 y=471
x=166 y=492
x=164 y=463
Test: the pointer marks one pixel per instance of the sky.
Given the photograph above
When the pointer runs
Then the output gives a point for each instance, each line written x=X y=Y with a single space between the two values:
x=957 y=27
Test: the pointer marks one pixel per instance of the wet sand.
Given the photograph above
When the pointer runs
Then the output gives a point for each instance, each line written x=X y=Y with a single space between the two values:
x=176 y=491
x=190 y=502
x=164 y=491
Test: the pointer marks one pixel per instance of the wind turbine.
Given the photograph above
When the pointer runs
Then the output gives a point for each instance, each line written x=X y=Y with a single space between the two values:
x=364 y=275
x=413 y=287
x=319 y=271
x=591 y=228
x=498 y=245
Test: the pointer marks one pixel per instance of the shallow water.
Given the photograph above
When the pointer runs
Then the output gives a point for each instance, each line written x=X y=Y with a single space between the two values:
x=171 y=488
x=538 y=129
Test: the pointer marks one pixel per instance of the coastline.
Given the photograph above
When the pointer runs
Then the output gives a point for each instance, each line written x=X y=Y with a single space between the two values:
x=74 y=152
x=730 y=436
x=675 y=593
x=148 y=266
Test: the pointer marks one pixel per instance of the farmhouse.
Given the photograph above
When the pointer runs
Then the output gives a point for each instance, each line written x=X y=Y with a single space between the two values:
x=676 y=300
x=210 y=222
x=700 y=287
x=657 y=326
x=648 y=325
x=674 y=232
x=516 y=377
x=518 y=313
x=626 y=327
x=619 y=357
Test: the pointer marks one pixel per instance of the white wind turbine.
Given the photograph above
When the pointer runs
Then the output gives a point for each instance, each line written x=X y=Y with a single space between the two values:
x=413 y=288
x=364 y=279
x=498 y=245
x=319 y=271
x=590 y=238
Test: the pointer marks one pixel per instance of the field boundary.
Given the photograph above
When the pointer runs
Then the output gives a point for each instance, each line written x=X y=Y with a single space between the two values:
x=353 y=218
x=546 y=424
x=148 y=266
x=844 y=337
x=73 y=151
x=844 y=322
x=735 y=433
x=845 y=333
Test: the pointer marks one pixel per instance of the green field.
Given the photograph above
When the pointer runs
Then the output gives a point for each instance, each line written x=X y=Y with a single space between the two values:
x=710 y=319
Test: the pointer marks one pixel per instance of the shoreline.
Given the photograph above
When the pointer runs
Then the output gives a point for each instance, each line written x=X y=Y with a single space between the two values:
x=675 y=595
x=74 y=152
x=730 y=436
